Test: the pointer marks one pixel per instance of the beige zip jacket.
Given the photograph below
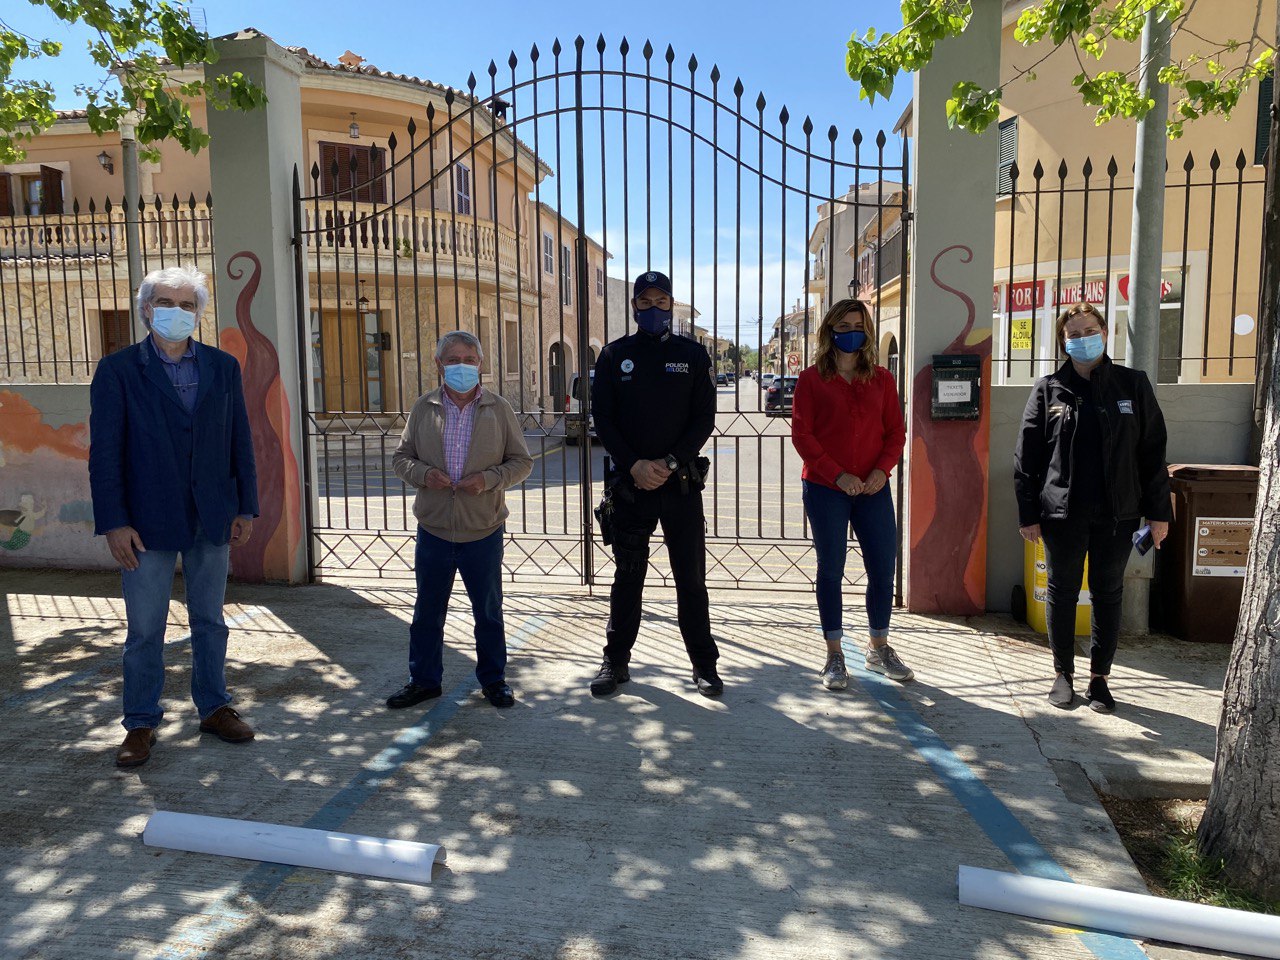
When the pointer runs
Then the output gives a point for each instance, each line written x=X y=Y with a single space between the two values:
x=497 y=451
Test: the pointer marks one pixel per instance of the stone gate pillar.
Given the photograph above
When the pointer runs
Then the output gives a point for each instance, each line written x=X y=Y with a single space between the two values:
x=252 y=157
x=952 y=272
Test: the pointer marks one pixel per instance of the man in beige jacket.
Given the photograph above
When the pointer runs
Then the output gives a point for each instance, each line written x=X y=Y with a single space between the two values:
x=461 y=448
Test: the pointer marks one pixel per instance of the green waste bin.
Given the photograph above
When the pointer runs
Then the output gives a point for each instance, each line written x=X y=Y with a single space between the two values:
x=1200 y=569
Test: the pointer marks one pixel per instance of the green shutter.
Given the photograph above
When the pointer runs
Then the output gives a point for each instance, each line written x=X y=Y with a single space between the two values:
x=1262 y=135
x=1008 y=154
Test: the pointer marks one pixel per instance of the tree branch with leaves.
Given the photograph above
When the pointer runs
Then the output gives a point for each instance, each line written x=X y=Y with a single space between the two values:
x=138 y=45
x=1211 y=81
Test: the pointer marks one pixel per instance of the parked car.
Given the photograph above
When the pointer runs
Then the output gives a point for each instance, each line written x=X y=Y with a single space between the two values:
x=731 y=377
x=573 y=420
x=722 y=379
x=777 y=398
x=766 y=379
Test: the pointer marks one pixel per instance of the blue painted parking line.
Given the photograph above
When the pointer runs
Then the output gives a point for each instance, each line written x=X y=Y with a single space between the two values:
x=222 y=916
x=988 y=812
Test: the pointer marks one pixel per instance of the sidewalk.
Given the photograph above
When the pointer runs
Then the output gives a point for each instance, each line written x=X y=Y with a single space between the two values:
x=781 y=821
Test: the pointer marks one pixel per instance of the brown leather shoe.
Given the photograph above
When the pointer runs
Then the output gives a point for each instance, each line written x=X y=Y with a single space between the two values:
x=228 y=726
x=136 y=749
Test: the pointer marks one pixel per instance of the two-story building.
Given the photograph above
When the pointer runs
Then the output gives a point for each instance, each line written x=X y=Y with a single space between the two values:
x=420 y=214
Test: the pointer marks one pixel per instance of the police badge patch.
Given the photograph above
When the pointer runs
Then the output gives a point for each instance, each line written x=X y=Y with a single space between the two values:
x=628 y=365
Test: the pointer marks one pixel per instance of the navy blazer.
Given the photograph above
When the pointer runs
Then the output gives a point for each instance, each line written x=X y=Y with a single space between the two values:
x=159 y=469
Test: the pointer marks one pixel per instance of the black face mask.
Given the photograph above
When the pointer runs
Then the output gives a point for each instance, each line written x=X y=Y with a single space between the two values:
x=654 y=321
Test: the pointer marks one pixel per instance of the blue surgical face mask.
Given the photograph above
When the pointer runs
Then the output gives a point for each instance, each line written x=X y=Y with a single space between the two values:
x=1086 y=349
x=172 y=323
x=851 y=341
x=461 y=377
x=654 y=320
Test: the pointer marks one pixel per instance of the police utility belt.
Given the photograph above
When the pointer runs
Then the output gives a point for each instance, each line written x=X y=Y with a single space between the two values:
x=618 y=485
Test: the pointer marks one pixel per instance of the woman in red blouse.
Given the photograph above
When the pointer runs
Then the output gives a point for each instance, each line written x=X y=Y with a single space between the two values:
x=847 y=426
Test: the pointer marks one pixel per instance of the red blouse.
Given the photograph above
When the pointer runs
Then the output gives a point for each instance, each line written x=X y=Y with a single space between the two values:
x=840 y=427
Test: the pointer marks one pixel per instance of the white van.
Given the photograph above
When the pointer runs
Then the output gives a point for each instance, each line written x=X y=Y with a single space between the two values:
x=573 y=425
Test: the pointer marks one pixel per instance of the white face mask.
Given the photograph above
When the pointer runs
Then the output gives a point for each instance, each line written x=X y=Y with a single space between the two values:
x=172 y=323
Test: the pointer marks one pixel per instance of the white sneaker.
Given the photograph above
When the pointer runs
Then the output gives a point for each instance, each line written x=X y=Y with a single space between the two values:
x=886 y=660
x=834 y=675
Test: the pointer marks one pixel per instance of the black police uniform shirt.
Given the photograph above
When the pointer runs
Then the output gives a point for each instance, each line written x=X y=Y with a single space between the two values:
x=653 y=397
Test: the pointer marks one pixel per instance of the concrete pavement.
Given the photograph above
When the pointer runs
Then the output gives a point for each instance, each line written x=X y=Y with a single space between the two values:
x=783 y=820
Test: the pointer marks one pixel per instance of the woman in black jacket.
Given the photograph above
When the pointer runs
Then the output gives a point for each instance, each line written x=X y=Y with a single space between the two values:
x=1090 y=464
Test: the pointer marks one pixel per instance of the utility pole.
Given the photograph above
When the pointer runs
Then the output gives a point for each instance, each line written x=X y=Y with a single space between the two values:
x=1146 y=246
x=1146 y=254
x=132 y=233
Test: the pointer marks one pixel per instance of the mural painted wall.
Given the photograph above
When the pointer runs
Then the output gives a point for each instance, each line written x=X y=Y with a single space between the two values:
x=46 y=516
x=277 y=533
x=949 y=476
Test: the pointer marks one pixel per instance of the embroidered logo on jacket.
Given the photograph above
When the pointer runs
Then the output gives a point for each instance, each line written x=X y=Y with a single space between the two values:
x=628 y=365
x=1125 y=406
x=677 y=367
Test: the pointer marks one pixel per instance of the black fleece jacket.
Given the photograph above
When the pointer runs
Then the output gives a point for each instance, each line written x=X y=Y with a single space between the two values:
x=1135 y=475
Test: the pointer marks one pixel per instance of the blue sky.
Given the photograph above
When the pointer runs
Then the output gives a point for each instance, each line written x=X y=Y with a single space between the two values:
x=793 y=53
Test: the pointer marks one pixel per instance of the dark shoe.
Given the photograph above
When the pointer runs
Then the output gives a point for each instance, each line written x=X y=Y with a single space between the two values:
x=410 y=694
x=136 y=749
x=499 y=694
x=708 y=681
x=1063 y=693
x=607 y=680
x=227 y=725
x=1099 y=696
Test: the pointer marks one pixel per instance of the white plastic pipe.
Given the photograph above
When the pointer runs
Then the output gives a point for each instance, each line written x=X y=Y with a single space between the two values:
x=1130 y=914
x=296 y=846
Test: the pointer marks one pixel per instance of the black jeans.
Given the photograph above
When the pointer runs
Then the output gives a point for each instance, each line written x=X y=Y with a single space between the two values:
x=1107 y=544
x=684 y=532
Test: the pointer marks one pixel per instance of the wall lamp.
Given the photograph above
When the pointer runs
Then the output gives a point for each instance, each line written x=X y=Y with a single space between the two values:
x=104 y=161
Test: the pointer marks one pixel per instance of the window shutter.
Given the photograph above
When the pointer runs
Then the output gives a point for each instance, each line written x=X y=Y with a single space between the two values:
x=1262 y=136
x=6 y=195
x=364 y=191
x=116 y=332
x=50 y=190
x=1008 y=154
x=378 y=169
x=328 y=154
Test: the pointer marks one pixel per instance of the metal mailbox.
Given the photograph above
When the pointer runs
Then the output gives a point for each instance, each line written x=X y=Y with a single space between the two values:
x=957 y=386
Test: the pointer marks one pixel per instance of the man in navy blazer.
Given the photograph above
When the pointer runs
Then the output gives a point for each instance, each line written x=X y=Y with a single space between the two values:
x=171 y=470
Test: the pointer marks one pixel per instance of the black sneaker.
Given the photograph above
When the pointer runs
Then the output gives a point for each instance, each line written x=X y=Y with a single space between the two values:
x=499 y=694
x=708 y=681
x=1099 y=696
x=607 y=680
x=1063 y=693
x=410 y=694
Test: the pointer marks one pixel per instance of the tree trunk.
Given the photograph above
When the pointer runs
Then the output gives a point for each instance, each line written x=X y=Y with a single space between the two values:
x=1241 y=825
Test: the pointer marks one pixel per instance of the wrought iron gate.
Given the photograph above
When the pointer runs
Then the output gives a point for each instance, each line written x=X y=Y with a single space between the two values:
x=520 y=214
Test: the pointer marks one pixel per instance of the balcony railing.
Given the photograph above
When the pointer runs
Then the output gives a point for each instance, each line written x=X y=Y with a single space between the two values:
x=168 y=229
x=370 y=229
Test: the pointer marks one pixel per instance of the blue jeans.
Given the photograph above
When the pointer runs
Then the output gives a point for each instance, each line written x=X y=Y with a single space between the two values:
x=831 y=515
x=147 y=591
x=480 y=563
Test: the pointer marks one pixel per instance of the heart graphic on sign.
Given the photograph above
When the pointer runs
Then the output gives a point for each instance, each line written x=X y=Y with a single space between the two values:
x=1166 y=287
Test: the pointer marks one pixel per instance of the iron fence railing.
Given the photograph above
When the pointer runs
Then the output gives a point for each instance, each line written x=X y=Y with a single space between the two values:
x=1063 y=235
x=65 y=300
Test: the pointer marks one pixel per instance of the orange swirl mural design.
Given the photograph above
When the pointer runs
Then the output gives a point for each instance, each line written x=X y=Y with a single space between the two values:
x=277 y=533
x=949 y=480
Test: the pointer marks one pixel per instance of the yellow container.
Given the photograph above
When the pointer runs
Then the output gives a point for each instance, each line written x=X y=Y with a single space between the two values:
x=1036 y=582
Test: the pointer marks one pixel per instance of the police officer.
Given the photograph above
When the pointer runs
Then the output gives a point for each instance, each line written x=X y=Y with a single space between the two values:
x=654 y=399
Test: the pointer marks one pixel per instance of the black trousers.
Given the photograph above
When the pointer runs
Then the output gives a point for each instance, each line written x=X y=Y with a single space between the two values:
x=684 y=531
x=1107 y=544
